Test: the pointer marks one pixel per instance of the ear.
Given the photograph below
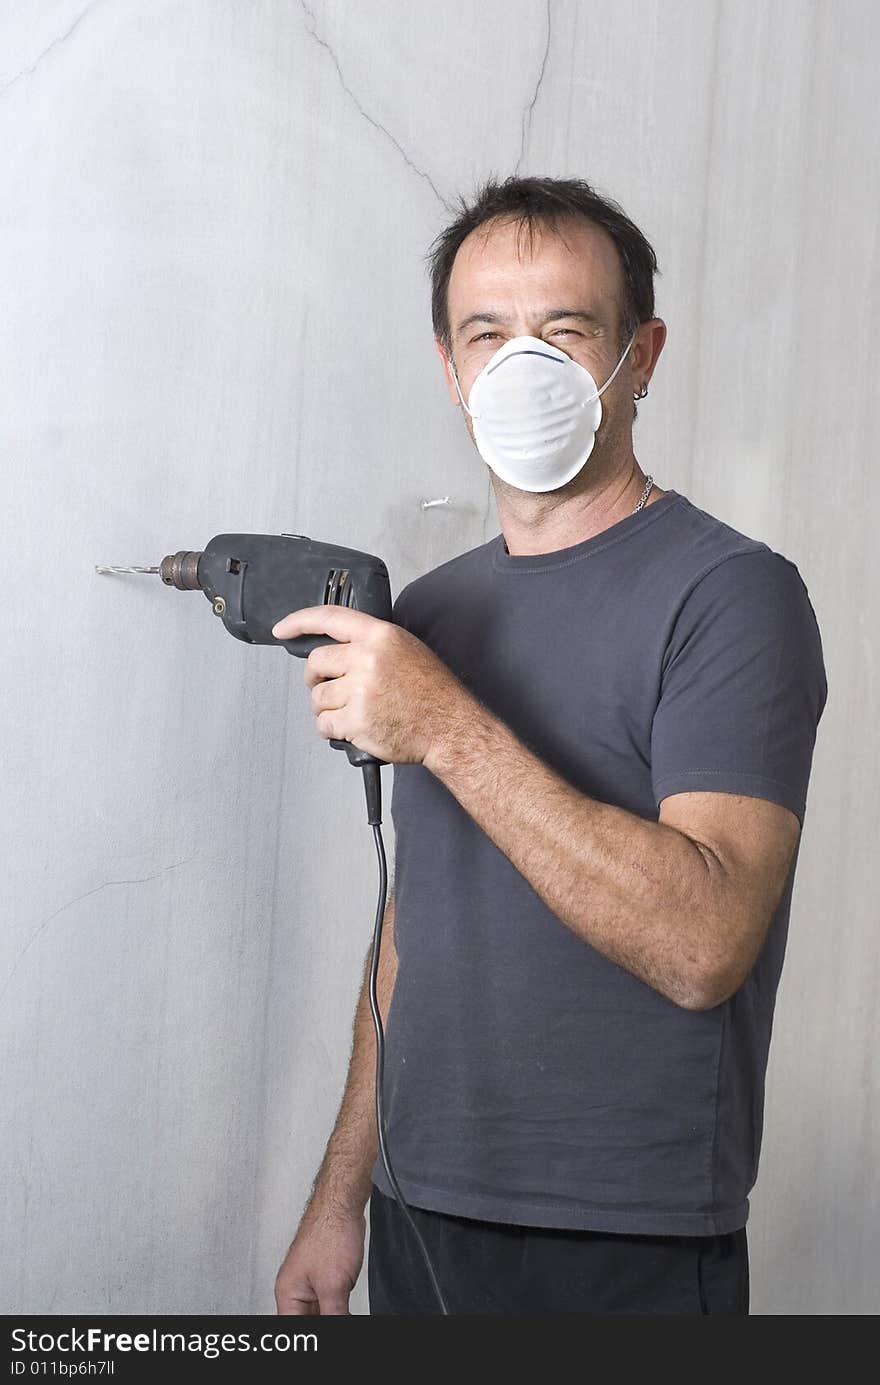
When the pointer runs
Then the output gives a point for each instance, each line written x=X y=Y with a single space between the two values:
x=450 y=383
x=650 y=339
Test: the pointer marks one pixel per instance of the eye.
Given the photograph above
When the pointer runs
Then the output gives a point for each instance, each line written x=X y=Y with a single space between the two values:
x=484 y=336
x=565 y=332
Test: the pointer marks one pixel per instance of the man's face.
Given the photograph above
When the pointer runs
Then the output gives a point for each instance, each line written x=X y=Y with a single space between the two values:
x=564 y=291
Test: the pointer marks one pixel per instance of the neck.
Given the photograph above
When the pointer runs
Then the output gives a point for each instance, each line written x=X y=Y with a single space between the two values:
x=546 y=522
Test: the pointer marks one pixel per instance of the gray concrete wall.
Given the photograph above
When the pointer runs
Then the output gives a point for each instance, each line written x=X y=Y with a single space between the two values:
x=215 y=316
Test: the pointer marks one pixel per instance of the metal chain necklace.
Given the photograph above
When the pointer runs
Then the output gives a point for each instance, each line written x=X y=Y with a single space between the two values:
x=645 y=493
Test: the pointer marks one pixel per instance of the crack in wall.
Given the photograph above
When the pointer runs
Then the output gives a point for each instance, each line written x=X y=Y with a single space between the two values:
x=62 y=38
x=41 y=928
x=526 y=127
x=312 y=27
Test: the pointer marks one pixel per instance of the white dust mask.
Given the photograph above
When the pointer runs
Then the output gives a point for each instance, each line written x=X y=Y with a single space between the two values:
x=535 y=413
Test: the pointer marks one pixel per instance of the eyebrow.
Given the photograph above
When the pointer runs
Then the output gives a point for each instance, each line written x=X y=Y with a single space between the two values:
x=553 y=316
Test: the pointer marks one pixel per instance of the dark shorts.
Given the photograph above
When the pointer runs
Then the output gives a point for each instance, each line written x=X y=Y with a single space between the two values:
x=520 y=1271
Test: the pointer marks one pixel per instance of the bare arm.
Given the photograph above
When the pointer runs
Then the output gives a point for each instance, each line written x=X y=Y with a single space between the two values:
x=683 y=903
x=342 y=1184
x=322 y=1265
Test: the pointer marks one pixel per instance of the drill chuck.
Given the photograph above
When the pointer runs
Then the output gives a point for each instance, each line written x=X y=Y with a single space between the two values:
x=181 y=570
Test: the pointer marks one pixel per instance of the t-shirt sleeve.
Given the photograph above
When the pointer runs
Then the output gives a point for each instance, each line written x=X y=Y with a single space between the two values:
x=743 y=685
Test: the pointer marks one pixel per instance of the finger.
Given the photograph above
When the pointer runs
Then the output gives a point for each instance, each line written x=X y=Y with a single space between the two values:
x=327 y=661
x=297 y=1308
x=291 y=1305
x=341 y=622
x=328 y=695
x=327 y=725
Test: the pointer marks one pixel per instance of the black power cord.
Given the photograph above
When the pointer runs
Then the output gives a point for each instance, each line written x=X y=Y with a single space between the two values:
x=373 y=788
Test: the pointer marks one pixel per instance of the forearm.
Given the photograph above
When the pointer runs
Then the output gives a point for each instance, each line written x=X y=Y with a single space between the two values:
x=342 y=1184
x=643 y=894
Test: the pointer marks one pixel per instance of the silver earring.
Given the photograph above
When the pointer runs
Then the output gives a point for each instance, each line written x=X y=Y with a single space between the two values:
x=642 y=392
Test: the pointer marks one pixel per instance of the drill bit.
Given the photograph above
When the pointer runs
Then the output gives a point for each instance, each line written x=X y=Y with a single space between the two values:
x=107 y=568
x=180 y=570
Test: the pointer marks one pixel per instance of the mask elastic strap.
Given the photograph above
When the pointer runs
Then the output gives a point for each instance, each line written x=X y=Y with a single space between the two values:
x=458 y=386
x=614 y=371
x=586 y=401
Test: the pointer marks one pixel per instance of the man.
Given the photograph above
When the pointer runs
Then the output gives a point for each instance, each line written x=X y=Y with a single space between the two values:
x=602 y=724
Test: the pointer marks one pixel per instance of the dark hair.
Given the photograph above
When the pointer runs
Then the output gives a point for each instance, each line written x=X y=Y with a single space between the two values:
x=547 y=202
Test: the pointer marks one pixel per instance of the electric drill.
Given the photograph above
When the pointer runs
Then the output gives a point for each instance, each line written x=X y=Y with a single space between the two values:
x=252 y=580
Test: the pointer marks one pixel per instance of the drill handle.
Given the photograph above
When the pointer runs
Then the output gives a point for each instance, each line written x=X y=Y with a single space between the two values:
x=357 y=757
x=302 y=647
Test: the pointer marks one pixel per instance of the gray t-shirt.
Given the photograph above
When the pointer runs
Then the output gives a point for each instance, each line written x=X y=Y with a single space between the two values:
x=528 y=1078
